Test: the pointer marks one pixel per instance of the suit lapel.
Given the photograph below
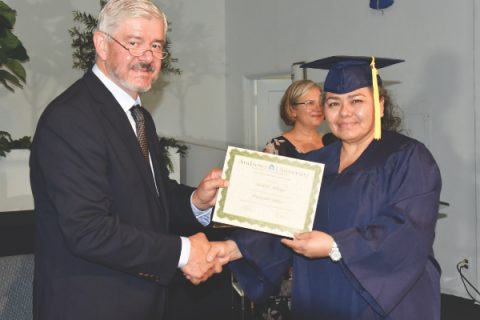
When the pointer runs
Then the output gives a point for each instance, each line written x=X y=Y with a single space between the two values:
x=113 y=113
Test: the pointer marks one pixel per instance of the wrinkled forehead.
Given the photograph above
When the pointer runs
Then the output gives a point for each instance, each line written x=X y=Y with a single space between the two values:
x=141 y=27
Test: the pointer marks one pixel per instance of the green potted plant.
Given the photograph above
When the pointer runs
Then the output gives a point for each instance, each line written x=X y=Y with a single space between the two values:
x=84 y=58
x=12 y=73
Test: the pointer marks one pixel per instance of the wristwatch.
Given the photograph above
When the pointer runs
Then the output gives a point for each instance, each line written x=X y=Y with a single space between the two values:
x=334 y=253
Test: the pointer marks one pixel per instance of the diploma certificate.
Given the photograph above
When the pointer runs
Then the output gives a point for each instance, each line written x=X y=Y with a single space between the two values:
x=269 y=193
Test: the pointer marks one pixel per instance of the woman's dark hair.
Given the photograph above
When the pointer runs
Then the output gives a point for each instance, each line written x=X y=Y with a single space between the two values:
x=391 y=119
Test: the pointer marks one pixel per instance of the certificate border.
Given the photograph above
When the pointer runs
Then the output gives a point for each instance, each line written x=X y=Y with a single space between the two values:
x=226 y=217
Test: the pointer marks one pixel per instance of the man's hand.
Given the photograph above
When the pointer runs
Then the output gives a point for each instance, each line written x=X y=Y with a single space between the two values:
x=206 y=194
x=198 y=269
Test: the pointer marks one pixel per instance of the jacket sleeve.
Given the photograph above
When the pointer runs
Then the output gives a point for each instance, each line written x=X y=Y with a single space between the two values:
x=264 y=264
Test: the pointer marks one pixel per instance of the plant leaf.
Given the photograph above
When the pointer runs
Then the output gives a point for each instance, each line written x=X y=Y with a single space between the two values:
x=6 y=77
x=17 y=69
x=3 y=56
x=9 y=40
x=7 y=143
x=19 y=53
x=5 y=134
x=7 y=16
x=13 y=47
x=12 y=51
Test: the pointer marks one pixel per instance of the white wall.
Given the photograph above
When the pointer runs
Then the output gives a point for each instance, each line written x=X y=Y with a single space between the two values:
x=192 y=106
x=435 y=85
x=187 y=107
x=201 y=158
x=477 y=131
x=222 y=44
x=179 y=104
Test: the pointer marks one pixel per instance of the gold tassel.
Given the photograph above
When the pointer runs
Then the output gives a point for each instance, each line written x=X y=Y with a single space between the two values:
x=377 y=133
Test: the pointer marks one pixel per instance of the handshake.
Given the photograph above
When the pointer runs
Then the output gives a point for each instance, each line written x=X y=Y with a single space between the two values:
x=207 y=258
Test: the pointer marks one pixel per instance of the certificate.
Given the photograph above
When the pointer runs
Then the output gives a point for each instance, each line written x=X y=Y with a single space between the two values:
x=268 y=193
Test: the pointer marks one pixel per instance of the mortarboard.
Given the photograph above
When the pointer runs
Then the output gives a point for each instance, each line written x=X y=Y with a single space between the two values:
x=348 y=73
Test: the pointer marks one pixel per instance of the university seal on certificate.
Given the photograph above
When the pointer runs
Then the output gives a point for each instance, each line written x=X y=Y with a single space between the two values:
x=268 y=193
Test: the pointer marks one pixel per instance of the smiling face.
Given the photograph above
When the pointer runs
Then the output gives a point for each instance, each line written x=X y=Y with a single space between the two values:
x=132 y=74
x=308 y=111
x=350 y=116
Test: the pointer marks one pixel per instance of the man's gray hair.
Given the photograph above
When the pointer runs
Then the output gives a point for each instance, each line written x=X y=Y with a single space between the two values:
x=115 y=11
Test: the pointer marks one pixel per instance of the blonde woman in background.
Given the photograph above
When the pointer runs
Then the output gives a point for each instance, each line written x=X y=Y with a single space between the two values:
x=300 y=107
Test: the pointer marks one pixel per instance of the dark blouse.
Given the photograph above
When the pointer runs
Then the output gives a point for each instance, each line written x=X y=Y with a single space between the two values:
x=283 y=147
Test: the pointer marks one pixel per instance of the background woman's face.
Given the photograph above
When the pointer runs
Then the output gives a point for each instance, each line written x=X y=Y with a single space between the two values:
x=310 y=111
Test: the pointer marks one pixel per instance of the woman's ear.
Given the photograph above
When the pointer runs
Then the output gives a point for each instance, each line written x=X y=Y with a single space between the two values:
x=293 y=113
x=382 y=105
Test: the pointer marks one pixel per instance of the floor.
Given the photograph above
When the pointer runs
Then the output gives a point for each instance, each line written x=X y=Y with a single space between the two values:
x=456 y=308
x=214 y=299
x=217 y=300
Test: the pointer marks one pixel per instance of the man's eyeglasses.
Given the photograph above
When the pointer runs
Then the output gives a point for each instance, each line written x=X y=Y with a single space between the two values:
x=157 y=52
x=308 y=103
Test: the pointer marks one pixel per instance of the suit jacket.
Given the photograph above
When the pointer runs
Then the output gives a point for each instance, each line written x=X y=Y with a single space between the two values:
x=102 y=244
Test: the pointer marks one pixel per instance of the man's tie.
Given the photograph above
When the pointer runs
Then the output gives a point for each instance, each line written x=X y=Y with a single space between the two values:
x=137 y=115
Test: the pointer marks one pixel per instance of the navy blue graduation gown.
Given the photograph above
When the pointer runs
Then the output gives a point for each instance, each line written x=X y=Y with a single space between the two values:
x=382 y=212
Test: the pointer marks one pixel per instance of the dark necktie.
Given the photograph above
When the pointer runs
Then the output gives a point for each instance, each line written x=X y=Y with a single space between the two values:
x=137 y=115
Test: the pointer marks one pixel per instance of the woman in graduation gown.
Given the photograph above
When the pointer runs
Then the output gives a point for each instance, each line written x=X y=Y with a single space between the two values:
x=370 y=253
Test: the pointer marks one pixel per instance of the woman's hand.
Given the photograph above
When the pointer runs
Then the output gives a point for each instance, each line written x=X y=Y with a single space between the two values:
x=223 y=252
x=314 y=244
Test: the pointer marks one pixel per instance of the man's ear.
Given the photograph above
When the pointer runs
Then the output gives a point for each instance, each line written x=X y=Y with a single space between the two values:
x=100 y=42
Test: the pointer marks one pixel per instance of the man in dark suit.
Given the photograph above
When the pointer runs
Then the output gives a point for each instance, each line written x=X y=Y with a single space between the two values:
x=104 y=203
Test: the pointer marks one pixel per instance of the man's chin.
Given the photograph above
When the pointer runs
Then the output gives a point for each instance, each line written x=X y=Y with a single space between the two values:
x=144 y=89
x=144 y=84
x=141 y=86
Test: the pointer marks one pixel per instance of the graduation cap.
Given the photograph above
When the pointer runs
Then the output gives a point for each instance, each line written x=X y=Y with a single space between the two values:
x=348 y=73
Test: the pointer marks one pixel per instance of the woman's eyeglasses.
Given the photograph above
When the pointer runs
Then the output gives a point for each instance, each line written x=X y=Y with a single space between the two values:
x=310 y=104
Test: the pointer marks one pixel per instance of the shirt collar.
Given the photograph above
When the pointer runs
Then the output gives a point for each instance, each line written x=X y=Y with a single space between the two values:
x=123 y=98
